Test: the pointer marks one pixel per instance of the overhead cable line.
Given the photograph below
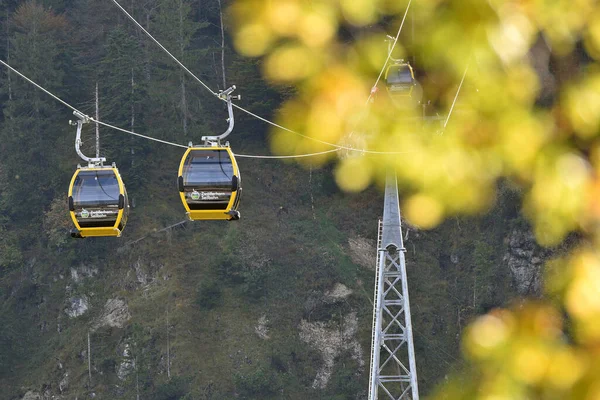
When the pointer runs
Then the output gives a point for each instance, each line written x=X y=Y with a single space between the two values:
x=139 y=134
x=164 y=49
x=180 y=223
x=337 y=146
x=391 y=50
x=193 y=75
x=38 y=86
x=75 y=109
x=207 y=87
x=91 y=119
x=456 y=96
x=291 y=156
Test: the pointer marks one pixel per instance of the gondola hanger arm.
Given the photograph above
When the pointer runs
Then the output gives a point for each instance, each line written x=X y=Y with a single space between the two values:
x=84 y=119
x=226 y=95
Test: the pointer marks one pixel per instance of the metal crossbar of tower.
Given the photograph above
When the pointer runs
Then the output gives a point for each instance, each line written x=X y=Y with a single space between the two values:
x=393 y=366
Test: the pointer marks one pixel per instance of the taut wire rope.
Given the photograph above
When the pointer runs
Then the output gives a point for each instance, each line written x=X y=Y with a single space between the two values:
x=164 y=49
x=38 y=86
x=75 y=109
x=291 y=156
x=139 y=134
x=389 y=56
x=456 y=95
x=204 y=84
x=337 y=146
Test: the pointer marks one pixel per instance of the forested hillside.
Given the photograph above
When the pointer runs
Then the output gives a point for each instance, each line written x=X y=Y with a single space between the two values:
x=277 y=305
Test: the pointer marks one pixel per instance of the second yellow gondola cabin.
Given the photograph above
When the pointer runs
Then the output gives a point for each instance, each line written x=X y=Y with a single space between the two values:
x=400 y=79
x=98 y=202
x=97 y=198
x=209 y=183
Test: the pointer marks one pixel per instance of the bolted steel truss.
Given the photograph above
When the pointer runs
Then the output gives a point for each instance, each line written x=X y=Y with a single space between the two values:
x=393 y=367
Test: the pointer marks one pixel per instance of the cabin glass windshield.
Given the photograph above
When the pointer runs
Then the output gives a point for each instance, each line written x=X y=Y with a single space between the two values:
x=208 y=169
x=399 y=74
x=96 y=188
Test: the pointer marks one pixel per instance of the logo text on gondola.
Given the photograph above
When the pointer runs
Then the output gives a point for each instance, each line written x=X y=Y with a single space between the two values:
x=94 y=214
x=209 y=195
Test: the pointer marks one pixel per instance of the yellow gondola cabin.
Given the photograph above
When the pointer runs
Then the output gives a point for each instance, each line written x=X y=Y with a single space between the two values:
x=98 y=202
x=209 y=183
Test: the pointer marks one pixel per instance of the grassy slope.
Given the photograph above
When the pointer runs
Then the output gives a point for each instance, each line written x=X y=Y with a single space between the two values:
x=269 y=263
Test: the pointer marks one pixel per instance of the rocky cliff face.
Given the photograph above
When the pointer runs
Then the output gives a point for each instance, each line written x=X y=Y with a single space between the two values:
x=227 y=311
x=525 y=259
x=332 y=338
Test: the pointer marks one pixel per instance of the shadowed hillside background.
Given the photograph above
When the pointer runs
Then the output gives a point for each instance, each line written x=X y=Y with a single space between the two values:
x=275 y=306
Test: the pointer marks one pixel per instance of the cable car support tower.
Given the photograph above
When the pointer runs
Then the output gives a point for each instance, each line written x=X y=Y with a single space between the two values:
x=393 y=367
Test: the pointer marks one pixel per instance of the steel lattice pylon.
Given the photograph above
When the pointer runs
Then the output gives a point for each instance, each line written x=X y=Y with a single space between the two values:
x=393 y=366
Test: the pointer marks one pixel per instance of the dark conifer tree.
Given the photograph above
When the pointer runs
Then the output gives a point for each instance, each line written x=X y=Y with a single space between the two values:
x=33 y=122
